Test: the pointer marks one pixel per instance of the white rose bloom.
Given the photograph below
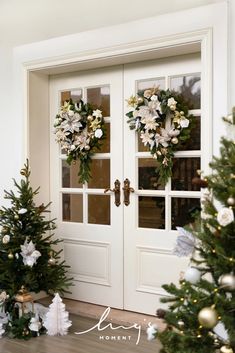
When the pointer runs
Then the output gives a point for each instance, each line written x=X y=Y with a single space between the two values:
x=97 y=113
x=6 y=239
x=98 y=133
x=184 y=122
x=225 y=216
x=171 y=102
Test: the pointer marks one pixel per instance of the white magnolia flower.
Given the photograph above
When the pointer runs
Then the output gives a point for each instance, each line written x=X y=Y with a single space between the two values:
x=97 y=113
x=146 y=138
x=98 y=133
x=82 y=140
x=171 y=102
x=71 y=123
x=225 y=216
x=184 y=122
x=6 y=239
x=29 y=253
x=150 y=122
x=22 y=211
x=162 y=138
x=154 y=106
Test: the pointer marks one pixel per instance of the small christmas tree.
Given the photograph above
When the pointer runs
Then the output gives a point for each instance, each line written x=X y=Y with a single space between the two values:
x=28 y=258
x=57 y=319
x=201 y=315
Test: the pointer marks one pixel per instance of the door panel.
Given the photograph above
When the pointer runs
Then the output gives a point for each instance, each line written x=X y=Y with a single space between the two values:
x=88 y=221
x=155 y=210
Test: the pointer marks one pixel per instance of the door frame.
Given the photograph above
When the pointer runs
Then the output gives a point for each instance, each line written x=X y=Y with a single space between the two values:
x=135 y=41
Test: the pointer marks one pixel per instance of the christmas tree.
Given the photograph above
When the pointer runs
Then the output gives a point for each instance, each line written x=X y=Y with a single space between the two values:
x=201 y=313
x=57 y=319
x=28 y=255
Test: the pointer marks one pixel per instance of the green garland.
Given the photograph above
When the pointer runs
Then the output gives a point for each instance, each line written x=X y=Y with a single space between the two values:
x=79 y=130
x=162 y=121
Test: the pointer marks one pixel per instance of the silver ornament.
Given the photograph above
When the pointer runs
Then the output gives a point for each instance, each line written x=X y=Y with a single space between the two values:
x=231 y=201
x=227 y=281
x=192 y=275
x=208 y=317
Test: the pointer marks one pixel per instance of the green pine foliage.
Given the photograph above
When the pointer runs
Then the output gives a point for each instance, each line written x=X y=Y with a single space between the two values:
x=22 y=221
x=214 y=256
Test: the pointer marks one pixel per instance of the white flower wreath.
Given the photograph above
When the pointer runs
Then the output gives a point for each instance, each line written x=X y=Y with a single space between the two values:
x=162 y=121
x=79 y=130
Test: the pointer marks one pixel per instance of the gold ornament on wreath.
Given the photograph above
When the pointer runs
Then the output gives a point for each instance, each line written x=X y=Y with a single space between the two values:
x=79 y=130
x=161 y=118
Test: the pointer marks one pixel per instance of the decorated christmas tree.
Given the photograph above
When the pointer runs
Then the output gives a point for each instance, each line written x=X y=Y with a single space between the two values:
x=201 y=313
x=29 y=261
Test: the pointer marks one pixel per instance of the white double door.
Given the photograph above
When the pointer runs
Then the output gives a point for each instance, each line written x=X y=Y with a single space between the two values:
x=119 y=255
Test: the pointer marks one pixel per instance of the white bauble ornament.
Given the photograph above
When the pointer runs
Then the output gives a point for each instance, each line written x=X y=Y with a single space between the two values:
x=192 y=275
x=174 y=140
x=227 y=281
x=221 y=331
x=231 y=201
x=208 y=317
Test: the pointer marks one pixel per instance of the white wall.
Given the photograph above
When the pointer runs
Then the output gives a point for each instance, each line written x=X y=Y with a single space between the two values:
x=19 y=30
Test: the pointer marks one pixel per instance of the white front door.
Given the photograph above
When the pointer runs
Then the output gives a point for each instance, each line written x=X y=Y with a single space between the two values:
x=121 y=255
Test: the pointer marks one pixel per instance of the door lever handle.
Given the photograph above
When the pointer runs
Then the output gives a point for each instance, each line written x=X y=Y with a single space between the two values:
x=117 y=192
x=127 y=190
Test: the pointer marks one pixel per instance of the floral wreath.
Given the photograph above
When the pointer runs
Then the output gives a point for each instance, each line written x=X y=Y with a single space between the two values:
x=79 y=130
x=162 y=121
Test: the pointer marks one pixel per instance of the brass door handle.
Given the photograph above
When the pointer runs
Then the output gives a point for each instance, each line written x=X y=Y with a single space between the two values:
x=117 y=192
x=127 y=190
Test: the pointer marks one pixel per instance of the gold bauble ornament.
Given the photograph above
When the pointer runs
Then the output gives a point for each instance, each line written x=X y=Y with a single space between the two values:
x=10 y=256
x=226 y=349
x=208 y=317
x=16 y=217
x=140 y=100
x=227 y=281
